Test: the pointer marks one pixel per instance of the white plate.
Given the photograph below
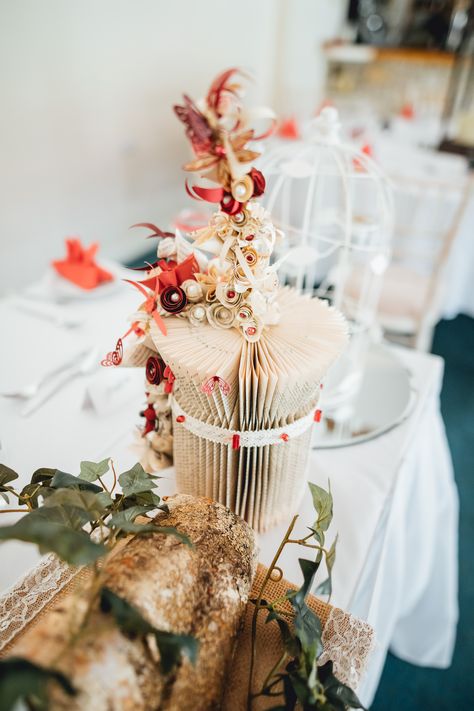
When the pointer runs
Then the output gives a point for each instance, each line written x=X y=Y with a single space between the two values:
x=384 y=400
x=54 y=289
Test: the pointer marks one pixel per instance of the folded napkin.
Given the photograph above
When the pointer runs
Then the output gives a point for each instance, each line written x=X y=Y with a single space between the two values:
x=80 y=266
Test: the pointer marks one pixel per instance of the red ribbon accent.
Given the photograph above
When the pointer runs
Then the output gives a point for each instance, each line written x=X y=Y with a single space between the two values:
x=236 y=441
x=172 y=274
x=156 y=231
x=208 y=194
x=168 y=374
x=317 y=415
x=150 y=305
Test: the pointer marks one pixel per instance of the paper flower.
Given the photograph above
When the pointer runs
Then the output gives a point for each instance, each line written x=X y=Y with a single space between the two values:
x=154 y=371
x=173 y=299
x=220 y=316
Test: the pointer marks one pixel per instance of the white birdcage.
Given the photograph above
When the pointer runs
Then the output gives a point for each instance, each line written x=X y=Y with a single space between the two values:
x=334 y=206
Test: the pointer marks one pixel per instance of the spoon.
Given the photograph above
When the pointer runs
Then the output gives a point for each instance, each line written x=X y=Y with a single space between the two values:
x=30 y=389
x=84 y=366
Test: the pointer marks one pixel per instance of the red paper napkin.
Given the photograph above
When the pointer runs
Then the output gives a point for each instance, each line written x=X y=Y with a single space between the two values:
x=80 y=266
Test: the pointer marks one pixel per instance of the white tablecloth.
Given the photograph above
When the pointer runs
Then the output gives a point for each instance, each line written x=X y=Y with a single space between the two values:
x=395 y=504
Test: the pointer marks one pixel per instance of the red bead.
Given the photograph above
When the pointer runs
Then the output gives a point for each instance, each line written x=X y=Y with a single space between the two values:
x=230 y=294
x=249 y=238
x=236 y=441
x=180 y=418
x=317 y=415
x=251 y=330
x=284 y=437
x=249 y=258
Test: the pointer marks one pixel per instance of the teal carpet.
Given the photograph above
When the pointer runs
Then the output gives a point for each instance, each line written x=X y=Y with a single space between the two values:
x=405 y=687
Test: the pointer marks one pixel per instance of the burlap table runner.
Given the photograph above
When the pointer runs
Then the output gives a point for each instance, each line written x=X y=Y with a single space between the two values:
x=347 y=640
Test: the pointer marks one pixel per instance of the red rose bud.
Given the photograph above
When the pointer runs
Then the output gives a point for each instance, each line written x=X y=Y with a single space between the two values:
x=259 y=183
x=229 y=205
x=155 y=368
x=173 y=299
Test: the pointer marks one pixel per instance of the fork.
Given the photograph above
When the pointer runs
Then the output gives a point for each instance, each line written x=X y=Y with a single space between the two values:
x=83 y=367
x=57 y=315
x=30 y=389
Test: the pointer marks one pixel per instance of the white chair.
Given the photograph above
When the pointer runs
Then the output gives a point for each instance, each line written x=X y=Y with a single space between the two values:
x=427 y=219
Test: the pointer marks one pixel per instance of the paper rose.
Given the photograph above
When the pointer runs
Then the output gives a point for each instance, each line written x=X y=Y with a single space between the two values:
x=173 y=299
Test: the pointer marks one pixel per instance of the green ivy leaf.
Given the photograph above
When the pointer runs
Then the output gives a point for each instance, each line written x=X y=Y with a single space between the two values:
x=31 y=493
x=308 y=631
x=325 y=588
x=62 y=480
x=74 y=547
x=145 y=498
x=309 y=569
x=136 y=480
x=90 y=471
x=39 y=486
x=290 y=643
x=64 y=515
x=322 y=502
x=104 y=499
x=129 y=527
x=130 y=620
x=42 y=475
x=130 y=514
x=20 y=678
x=337 y=693
x=85 y=501
x=6 y=475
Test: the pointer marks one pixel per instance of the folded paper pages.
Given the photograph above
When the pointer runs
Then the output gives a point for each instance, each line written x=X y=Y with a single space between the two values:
x=243 y=412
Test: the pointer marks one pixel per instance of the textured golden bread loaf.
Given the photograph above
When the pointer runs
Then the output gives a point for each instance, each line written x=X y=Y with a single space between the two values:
x=200 y=591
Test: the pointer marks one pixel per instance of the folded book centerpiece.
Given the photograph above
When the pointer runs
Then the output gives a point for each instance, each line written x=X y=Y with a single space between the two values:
x=233 y=361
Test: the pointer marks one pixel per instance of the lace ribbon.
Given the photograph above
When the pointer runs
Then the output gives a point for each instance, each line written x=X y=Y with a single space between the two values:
x=246 y=438
x=20 y=604
x=347 y=640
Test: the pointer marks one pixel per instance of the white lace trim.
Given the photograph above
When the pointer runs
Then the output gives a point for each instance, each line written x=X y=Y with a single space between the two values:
x=348 y=643
x=247 y=438
x=25 y=599
x=347 y=640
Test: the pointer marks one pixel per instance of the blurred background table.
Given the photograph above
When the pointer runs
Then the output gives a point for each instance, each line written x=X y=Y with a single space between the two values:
x=395 y=500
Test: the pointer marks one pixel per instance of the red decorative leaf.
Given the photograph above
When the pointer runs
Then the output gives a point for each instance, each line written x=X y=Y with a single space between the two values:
x=197 y=127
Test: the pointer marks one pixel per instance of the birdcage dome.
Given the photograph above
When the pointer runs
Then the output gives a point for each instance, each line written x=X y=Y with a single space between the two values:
x=334 y=206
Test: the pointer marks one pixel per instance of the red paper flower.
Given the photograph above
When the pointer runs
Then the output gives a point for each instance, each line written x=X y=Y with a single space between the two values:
x=155 y=368
x=173 y=299
x=259 y=183
x=229 y=205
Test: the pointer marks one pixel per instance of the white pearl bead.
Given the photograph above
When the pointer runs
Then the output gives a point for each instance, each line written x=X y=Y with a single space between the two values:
x=199 y=312
x=240 y=190
x=174 y=298
x=193 y=290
